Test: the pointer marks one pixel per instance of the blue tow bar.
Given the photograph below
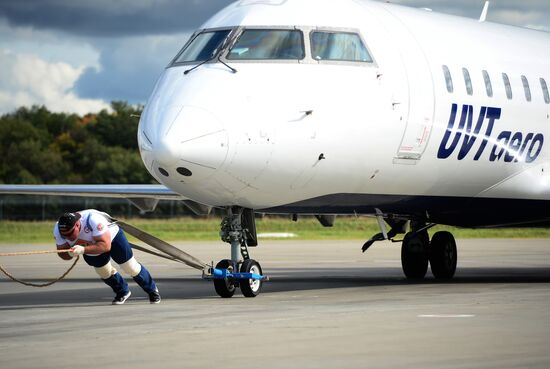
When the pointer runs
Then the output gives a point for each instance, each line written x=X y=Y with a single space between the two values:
x=216 y=273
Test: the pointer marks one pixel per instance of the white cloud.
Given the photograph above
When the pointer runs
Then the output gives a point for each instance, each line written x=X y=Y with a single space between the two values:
x=52 y=46
x=538 y=27
x=530 y=19
x=129 y=66
x=526 y=13
x=26 y=79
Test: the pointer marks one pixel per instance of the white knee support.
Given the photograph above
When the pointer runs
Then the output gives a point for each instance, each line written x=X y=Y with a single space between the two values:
x=131 y=267
x=105 y=271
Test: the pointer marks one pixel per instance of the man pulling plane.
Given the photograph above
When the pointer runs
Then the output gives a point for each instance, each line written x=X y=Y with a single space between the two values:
x=92 y=234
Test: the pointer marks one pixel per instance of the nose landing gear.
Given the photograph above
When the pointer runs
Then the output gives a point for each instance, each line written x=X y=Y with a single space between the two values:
x=239 y=230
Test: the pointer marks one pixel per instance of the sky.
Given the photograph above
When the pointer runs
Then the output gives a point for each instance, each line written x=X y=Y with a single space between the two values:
x=79 y=55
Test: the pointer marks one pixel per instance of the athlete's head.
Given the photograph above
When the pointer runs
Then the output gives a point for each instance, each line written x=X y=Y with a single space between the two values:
x=66 y=223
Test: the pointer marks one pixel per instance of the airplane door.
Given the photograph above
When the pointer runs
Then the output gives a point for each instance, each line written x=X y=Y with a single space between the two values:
x=421 y=103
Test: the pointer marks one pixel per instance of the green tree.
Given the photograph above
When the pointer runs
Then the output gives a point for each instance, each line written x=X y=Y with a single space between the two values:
x=118 y=128
x=24 y=156
x=38 y=146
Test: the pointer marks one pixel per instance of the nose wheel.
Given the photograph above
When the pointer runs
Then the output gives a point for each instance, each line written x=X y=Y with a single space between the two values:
x=226 y=281
x=240 y=270
x=251 y=287
x=225 y=287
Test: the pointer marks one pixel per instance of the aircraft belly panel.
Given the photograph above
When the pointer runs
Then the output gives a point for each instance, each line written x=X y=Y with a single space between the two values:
x=449 y=210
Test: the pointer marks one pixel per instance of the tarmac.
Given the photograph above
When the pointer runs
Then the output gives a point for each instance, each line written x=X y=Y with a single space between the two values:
x=327 y=305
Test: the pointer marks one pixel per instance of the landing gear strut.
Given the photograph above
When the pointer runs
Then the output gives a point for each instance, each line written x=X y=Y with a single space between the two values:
x=238 y=229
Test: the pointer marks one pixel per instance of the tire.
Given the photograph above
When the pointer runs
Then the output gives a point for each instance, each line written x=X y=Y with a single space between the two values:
x=251 y=287
x=443 y=255
x=224 y=288
x=414 y=255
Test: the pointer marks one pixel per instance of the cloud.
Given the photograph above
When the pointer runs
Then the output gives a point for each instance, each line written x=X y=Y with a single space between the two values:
x=27 y=80
x=48 y=45
x=530 y=19
x=129 y=66
x=107 y=18
x=526 y=13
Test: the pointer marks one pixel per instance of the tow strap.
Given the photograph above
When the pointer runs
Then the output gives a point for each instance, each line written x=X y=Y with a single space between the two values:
x=163 y=246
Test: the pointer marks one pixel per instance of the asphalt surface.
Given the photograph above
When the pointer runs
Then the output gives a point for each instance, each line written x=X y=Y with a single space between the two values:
x=327 y=306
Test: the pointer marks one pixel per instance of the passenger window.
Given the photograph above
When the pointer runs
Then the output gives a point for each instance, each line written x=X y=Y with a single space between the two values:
x=468 y=81
x=526 y=88
x=488 y=85
x=202 y=46
x=338 y=46
x=448 y=79
x=262 y=44
x=507 y=86
x=545 y=90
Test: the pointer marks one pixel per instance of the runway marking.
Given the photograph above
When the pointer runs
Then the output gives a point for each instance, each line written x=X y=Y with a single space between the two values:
x=446 y=316
x=276 y=235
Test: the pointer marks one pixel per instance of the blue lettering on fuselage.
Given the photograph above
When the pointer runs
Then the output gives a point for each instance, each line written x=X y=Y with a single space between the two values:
x=507 y=146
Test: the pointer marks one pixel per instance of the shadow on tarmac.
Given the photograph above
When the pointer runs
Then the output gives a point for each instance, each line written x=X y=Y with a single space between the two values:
x=94 y=293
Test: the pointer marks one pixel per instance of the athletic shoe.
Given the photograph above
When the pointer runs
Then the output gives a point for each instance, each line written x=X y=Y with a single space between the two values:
x=121 y=298
x=154 y=297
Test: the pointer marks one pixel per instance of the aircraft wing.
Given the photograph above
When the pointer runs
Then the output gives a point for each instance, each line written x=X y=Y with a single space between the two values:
x=144 y=197
x=158 y=192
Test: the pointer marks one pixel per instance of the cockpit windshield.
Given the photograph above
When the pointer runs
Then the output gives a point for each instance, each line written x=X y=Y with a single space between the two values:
x=262 y=44
x=273 y=45
x=203 y=46
x=342 y=46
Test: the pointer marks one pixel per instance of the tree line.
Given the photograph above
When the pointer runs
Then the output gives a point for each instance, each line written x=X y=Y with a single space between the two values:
x=38 y=146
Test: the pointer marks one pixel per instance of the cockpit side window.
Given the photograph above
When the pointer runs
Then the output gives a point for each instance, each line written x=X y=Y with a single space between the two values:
x=264 y=44
x=202 y=47
x=340 y=46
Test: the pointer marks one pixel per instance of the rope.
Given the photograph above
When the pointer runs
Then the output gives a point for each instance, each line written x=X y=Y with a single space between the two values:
x=35 y=253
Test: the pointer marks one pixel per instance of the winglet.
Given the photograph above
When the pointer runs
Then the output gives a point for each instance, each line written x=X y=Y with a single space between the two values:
x=483 y=16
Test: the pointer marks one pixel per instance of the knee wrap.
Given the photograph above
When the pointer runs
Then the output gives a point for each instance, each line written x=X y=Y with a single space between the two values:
x=131 y=267
x=105 y=271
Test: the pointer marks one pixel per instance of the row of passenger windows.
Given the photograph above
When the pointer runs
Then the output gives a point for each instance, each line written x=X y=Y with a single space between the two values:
x=272 y=44
x=489 y=86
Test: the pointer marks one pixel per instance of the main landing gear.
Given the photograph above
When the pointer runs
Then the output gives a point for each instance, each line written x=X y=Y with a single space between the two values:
x=239 y=230
x=417 y=250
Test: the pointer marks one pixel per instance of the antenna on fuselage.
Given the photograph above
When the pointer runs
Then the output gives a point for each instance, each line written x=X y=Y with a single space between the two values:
x=484 y=12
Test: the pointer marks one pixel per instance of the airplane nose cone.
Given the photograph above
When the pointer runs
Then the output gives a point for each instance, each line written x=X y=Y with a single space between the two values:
x=193 y=146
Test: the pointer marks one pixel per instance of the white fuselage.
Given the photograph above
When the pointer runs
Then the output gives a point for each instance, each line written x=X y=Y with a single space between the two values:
x=321 y=137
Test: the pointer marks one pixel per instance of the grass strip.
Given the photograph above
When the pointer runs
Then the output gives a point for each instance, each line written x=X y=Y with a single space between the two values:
x=207 y=229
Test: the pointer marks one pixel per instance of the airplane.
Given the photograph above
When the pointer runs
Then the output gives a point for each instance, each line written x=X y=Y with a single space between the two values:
x=326 y=108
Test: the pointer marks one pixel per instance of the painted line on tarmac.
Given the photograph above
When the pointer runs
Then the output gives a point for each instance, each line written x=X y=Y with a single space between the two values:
x=446 y=316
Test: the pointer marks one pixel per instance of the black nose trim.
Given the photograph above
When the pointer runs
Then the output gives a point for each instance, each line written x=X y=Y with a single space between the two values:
x=184 y=171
